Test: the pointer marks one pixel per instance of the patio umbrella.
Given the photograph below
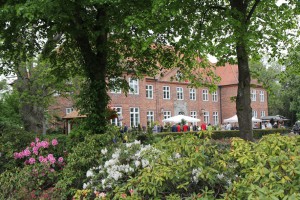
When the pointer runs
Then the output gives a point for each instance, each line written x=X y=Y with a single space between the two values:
x=231 y=119
x=179 y=118
x=234 y=119
x=254 y=119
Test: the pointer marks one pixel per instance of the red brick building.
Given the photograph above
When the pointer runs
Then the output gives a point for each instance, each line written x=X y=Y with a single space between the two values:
x=157 y=98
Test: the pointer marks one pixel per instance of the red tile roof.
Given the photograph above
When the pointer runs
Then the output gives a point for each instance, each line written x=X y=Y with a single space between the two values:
x=229 y=74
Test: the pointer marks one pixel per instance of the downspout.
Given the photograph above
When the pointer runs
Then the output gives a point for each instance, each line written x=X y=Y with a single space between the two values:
x=221 y=114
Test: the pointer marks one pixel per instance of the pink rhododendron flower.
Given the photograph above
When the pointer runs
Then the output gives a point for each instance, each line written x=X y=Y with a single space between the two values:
x=17 y=155
x=54 y=142
x=31 y=161
x=37 y=139
x=35 y=150
x=51 y=158
x=60 y=159
x=26 y=152
x=32 y=144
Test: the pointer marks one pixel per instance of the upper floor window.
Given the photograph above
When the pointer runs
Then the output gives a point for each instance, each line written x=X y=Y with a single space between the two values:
x=215 y=118
x=149 y=91
x=262 y=96
x=69 y=110
x=115 y=89
x=205 y=95
x=118 y=120
x=179 y=91
x=215 y=96
x=253 y=95
x=166 y=92
x=192 y=94
x=134 y=117
x=206 y=117
x=134 y=86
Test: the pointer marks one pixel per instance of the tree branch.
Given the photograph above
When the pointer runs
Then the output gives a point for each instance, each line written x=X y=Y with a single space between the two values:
x=252 y=11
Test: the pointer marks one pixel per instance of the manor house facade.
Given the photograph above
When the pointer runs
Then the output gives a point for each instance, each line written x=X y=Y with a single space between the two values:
x=155 y=99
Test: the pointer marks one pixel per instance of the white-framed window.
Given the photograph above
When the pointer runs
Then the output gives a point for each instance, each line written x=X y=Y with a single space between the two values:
x=262 y=113
x=69 y=110
x=166 y=92
x=253 y=95
x=134 y=86
x=254 y=113
x=215 y=96
x=134 y=117
x=205 y=95
x=206 y=117
x=192 y=94
x=167 y=114
x=215 y=118
x=262 y=96
x=117 y=121
x=116 y=90
x=150 y=117
x=194 y=115
x=179 y=91
x=149 y=91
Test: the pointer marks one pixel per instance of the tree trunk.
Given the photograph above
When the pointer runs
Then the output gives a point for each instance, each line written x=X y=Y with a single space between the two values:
x=96 y=98
x=243 y=101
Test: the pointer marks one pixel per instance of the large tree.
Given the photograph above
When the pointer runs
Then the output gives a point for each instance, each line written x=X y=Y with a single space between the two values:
x=233 y=31
x=98 y=36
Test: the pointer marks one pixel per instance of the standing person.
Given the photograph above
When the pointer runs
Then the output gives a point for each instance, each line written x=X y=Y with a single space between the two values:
x=209 y=127
x=185 y=128
x=178 y=128
x=174 y=128
x=191 y=127
x=203 y=126
x=154 y=130
x=228 y=126
x=125 y=128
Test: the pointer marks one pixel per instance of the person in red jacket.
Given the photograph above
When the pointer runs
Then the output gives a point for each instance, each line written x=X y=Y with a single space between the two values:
x=203 y=126
x=185 y=128
x=178 y=128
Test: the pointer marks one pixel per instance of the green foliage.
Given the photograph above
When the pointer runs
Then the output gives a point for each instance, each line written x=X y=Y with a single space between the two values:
x=83 y=155
x=10 y=118
x=183 y=166
x=10 y=142
x=268 y=169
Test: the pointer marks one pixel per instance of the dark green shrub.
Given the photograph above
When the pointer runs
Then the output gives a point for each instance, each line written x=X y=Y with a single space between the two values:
x=10 y=142
x=84 y=155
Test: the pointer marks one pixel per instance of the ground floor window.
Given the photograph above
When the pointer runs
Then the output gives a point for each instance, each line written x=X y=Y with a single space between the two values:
x=134 y=117
x=117 y=121
x=150 y=118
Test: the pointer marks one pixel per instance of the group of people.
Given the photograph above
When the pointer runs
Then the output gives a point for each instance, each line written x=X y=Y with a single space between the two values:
x=272 y=124
x=186 y=128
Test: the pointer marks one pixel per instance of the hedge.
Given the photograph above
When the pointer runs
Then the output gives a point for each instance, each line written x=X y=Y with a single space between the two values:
x=257 y=134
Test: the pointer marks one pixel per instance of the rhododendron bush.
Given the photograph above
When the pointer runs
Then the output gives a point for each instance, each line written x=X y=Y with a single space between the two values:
x=187 y=167
x=41 y=167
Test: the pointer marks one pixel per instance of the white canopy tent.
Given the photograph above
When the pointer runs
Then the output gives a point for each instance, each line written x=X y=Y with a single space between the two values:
x=234 y=119
x=179 y=118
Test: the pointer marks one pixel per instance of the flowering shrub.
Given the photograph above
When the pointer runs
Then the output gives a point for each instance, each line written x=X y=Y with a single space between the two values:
x=37 y=153
x=118 y=166
x=40 y=165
